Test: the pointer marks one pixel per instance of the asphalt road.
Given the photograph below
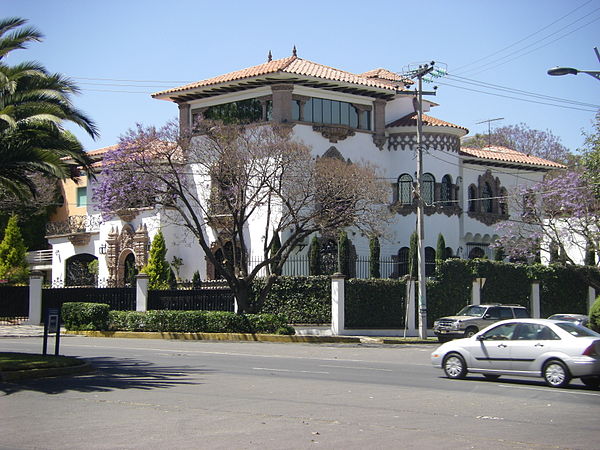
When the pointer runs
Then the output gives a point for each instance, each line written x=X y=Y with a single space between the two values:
x=246 y=395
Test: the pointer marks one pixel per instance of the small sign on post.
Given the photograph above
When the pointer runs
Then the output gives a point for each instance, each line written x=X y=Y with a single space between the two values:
x=52 y=325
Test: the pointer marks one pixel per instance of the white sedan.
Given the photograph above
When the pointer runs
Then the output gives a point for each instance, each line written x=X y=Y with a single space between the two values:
x=554 y=350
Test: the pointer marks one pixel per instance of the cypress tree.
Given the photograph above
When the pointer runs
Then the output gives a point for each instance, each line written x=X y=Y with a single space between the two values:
x=158 y=269
x=374 y=254
x=13 y=261
x=343 y=253
x=440 y=251
x=313 y=255
x=275 y=247
x=499 y=254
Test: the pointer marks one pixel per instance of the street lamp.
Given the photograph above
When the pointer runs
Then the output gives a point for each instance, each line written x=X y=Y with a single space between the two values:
x=558 y=71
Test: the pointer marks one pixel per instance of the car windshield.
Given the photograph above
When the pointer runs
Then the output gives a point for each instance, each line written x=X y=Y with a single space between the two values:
x=475 y=311
x=577 y=330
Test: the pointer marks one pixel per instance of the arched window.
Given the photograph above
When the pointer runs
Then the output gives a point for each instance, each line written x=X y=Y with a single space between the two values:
x=428 y=183
x=405 y=189
x=446 y=191
x=472 y=197
x=487 y=194
x=503 y=202
x=403 y=261
x=476 y=252
x=429 y=261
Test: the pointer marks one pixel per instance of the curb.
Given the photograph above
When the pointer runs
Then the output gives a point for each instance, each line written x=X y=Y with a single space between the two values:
x=18 y=375
x=250 y=337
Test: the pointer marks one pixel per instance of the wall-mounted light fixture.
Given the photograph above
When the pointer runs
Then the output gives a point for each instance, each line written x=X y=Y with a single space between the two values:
x=102 y=249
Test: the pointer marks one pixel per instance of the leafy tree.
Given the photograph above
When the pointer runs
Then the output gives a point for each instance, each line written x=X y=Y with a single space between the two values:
x=34 y=105
x=158 y=269
x=13 y=262
x=440 y=251
x=591 y=157
x=249 y=171
x=374 y=255
x=314 y=257
x=543 y=144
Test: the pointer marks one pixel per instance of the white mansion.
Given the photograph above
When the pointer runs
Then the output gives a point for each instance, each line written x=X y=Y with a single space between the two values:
x=366 y=117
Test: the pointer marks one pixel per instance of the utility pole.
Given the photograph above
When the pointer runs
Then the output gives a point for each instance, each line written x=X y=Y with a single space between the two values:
x=418 y=103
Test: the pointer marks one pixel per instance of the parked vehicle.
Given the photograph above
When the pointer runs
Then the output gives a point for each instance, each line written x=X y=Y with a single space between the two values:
x=579 y=319
x=473 y=318
x=554 y=350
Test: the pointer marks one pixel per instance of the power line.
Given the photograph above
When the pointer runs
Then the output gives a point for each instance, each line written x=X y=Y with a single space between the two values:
x=515 y=98
x=525 y=38
x=484 y=68
x=484 y=84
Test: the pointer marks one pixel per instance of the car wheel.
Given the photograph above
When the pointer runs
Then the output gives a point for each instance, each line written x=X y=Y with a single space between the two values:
x=470 y=332
x=591 y=381
x=491 y=377
x=455 y=366
x=556 y=373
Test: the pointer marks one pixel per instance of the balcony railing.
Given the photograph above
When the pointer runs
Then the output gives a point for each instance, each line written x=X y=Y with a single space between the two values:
x=39 y=257
x=73 y=224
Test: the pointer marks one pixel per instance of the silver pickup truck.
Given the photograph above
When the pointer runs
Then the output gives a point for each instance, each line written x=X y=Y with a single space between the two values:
x=473 y=318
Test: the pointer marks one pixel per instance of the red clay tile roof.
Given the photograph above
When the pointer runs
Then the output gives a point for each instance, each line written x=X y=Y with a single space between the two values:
x=290 y=65
x=505 y=154
x=384 y=74
x=410 y=120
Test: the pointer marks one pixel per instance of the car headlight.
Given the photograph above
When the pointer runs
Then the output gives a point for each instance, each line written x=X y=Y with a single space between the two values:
x=456 y=325
x=436 y=323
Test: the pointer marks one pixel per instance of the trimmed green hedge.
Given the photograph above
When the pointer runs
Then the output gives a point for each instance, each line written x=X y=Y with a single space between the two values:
x=303 y=300
x=96 y=316
x=504 y=282
x=80 y=316
x=375 y=303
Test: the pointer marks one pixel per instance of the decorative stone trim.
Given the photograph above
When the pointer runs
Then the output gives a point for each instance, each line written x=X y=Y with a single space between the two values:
x=334 y=133
x=120 y=244
x=408 y=209
x=408 y=141
x=127 y=215
x=79 y=238
x=488 y=218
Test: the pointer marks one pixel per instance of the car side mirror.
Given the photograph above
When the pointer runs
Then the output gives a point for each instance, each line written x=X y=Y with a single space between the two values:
x=481 y=337
x=487 y=316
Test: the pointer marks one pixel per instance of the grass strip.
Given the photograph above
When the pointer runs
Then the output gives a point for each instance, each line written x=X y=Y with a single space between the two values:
x=26 y=361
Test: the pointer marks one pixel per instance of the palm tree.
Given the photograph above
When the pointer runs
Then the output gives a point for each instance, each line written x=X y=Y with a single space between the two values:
x=34 y=105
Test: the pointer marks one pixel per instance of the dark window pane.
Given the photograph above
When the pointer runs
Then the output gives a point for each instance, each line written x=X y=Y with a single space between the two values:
x=295 y=110
x=335 y=112
x=345 y=113
x=353 y=117
x=317 y=110
x=308 y=110
x=327 y=111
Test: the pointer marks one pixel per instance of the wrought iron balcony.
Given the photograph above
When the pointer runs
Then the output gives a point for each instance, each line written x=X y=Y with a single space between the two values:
x=73 y=225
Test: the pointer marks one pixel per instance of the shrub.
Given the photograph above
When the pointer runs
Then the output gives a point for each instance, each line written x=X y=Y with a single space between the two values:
x=595 y=315
x=375 y=303
x=197 y=322
x=78 y=316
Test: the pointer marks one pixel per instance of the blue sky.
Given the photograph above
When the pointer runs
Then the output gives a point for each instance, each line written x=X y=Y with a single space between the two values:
x=159 y=44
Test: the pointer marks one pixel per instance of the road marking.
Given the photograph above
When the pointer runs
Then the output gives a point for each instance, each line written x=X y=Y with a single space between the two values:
x=562 y=391
x=288 y=370
x=357 y=368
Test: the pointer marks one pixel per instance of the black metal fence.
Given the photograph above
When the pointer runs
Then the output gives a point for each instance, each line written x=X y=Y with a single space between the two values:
x=14 y=304
x=190 y=300
x=120 y=299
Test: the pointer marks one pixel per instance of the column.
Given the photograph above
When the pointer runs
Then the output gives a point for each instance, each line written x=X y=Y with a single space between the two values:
x=410 y=307
x=476 y=292
x=534 y=299
x=141 y=292
x=282 y=102
x=337 y=303
x=35 y=298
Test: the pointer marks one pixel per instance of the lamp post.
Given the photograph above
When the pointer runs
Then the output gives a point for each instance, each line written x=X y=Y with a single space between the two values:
x=559 y=71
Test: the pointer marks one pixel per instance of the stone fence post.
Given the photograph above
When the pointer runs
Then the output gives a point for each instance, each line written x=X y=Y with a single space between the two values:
x=534 y=299
x=35 y=298
x=410 y=307
x=591 y=297
x=476 y=291
x=337 y=303
x=141 y=292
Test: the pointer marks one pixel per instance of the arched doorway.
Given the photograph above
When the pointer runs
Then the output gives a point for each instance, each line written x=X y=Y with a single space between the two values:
x=79 y=272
